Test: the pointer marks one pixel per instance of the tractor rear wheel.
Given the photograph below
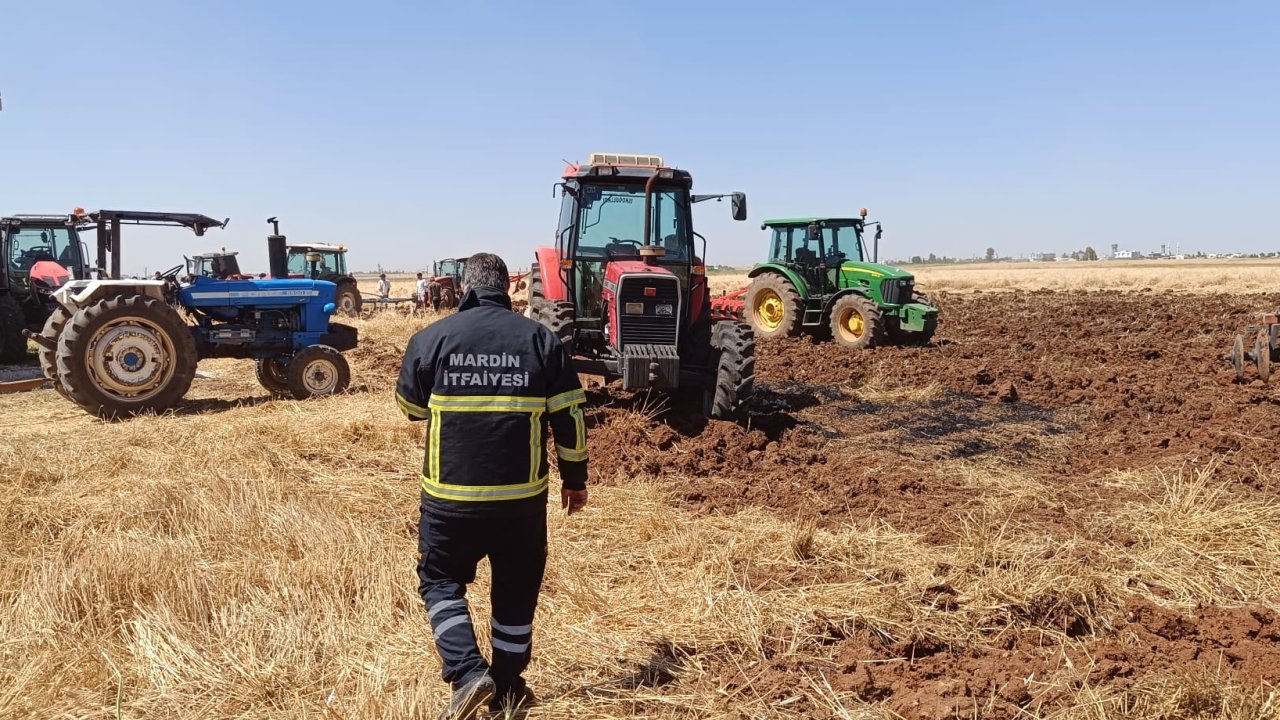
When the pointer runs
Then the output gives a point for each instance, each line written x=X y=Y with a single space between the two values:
x=557 y=315
x=13 y=344
x=53 y=328
x=316 y=371
x=857 y=322
x=448 y=298
x=273 y=374
x=348 y=299
x=124 y=355
x=773 y=306
x=733 y=352
x=535 y=291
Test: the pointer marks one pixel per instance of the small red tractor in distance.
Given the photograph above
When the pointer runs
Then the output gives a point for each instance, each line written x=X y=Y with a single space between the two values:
x=627 y=294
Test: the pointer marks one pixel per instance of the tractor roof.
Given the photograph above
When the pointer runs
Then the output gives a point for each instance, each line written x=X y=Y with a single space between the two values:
x=807 y=220
x=319 y=247
x=42 y=220
x=211 y=255
x=197 y=222
x=624 y=167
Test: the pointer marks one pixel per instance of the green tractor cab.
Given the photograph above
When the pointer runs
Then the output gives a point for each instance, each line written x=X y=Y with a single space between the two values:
x=818 y=278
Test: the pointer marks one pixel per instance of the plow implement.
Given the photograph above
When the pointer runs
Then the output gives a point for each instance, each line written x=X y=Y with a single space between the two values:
x=1256 y=347
x=730 y=306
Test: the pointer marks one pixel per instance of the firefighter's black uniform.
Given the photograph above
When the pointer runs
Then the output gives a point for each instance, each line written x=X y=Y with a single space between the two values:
x=489 y=381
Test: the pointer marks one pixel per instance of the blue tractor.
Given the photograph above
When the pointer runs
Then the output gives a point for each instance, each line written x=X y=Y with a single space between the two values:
x=118 y=347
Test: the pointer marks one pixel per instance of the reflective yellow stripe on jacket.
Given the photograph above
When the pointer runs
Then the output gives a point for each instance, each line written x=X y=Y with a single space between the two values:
x=440 y=404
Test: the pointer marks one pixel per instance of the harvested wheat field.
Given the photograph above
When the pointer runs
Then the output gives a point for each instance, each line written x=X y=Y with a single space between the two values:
x=1063 y=508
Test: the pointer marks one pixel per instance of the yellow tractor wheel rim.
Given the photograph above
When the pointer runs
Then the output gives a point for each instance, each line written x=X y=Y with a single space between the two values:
x=852 y=325
x=769 y=309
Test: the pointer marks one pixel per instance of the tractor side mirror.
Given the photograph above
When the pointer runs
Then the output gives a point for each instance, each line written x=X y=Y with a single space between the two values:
x=815 y=230
x=739 y=206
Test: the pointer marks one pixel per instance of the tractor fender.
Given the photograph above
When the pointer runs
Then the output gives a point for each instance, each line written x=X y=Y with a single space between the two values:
x=79 y=293
x=826 y=308
x=792 y=276
x=550 y=273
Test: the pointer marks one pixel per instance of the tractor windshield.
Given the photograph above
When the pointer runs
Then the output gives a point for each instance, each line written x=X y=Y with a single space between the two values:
x=842 y=241
x=331 y=261
x=29 y=246
x=612 y=221
x=610 y=226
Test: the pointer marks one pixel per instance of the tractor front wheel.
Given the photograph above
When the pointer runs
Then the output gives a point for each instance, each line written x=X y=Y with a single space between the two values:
x=273 y=374
x=13 y=344
x=316 y=371
x=349 y=300
x=53 y=328
x=125 y=355
x=733 y=353
x=773 y=306
x=856 y=322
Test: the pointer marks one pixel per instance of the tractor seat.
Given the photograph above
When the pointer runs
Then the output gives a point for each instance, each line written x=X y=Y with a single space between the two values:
x=805 y=256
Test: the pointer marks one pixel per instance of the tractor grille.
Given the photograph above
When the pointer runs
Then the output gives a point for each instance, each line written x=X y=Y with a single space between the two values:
x=660 y=319
x=897 y=291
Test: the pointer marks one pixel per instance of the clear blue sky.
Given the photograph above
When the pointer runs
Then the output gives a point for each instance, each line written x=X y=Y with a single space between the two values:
x=416 y=130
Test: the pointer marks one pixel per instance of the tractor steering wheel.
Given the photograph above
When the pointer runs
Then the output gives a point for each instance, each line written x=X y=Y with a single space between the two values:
x=637 y=243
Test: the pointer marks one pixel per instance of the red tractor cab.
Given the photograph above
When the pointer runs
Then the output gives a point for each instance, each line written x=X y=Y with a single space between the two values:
x=625 y=290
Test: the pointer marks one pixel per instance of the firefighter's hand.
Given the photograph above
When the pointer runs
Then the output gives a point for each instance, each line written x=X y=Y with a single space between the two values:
x=573 y=500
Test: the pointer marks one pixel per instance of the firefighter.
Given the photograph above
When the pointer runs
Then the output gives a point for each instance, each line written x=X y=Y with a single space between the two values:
x=489 y=382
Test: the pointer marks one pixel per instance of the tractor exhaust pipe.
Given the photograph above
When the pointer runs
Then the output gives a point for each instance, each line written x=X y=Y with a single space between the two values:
x=277 y=252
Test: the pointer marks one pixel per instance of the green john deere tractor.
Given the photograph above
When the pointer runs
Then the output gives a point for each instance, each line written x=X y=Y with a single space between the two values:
x=818 y=279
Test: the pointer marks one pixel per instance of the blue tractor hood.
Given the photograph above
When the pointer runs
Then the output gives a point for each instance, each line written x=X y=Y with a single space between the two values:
x=226 y=298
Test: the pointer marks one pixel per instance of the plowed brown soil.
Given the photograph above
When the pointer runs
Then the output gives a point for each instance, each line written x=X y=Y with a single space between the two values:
x=1065 y=388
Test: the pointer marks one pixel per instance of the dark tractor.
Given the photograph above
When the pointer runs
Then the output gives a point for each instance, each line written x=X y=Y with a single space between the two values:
x=447 y=274
x=40 y=253
x=221 y=265
x=327 y=262
x=625 y=290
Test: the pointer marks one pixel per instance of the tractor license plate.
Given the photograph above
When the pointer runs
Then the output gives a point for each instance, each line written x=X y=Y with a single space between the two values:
x=635 y=308
x=667 y=310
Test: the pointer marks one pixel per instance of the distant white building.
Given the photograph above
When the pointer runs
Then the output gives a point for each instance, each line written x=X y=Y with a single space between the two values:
x=1043 y=257
x=1128 y=255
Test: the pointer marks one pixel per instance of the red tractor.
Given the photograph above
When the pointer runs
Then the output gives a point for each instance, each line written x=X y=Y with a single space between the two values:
x=625 y=291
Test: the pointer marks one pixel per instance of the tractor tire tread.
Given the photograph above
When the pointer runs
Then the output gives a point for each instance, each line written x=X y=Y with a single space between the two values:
x=873 y=318
x=13 y=344
x=73 y=344
x=790 y=300
x=734 y=351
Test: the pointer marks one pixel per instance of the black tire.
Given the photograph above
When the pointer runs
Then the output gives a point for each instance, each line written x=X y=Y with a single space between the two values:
x=448 y=298
x=348 y=299
x=90 y=360
x=733 y=348
x=557 y=315
x=317 y=371
x=53 y=328
x=13 y=344
x=857 y=323
x=533 y=298
x=773 y=306
x=273 y=374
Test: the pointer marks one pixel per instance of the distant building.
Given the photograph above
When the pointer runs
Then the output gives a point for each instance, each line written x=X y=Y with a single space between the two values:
x=1128 y=255
x=1043 y=257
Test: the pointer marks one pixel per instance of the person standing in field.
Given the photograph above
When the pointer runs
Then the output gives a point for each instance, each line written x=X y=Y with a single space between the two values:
x=420 y=292
x=384 y=286
x=489 y=382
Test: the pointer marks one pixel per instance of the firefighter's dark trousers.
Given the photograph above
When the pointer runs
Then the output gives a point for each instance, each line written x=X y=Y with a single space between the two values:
x=451 y=548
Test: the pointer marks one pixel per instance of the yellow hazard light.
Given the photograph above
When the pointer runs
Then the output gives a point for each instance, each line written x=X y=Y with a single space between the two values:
x=78 y=212
x=566 y=263
x=863 y=212
x=699 y=269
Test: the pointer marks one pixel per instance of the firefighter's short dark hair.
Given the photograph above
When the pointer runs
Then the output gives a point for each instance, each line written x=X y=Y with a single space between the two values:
x=485 y=270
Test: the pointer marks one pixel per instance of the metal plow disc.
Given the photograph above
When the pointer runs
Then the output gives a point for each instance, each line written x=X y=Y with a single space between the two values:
x=1236 y=356
x=1262 y=355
